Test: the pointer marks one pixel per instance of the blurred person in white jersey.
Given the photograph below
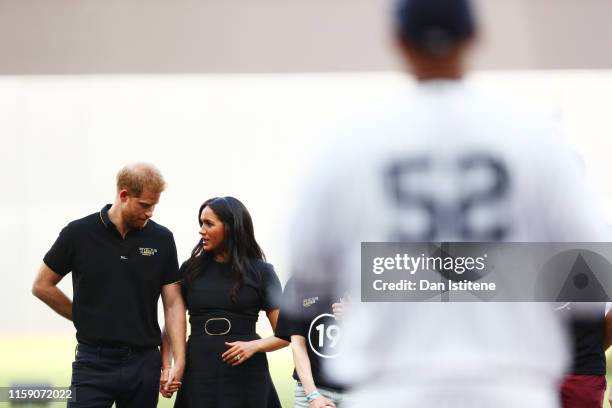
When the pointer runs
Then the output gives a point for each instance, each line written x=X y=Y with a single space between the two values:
x=442 y=162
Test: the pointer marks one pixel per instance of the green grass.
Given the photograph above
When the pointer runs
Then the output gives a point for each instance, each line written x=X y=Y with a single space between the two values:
x=47 y=359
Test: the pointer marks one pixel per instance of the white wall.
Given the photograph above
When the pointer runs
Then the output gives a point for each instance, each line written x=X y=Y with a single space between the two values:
x=64 y=138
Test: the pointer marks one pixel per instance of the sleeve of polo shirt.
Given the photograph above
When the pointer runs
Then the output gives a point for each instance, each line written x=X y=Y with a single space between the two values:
x=171 y=271
x=283 y=329
x=285 y=326
x=60 y=257
x=272 y=288
x=300 y=326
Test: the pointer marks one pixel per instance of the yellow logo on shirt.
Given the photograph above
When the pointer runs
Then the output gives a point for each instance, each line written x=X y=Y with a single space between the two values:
x=309 y=301
x=147 y=251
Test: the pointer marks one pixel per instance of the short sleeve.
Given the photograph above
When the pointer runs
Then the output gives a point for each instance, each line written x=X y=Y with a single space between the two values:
x=271 y=288
x=182 y=272
x=283 y=326
x=171 y=270
x=60 y=258
x=287 y=321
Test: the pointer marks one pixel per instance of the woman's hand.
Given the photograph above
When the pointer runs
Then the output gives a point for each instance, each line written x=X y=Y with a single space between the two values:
x=239 y=352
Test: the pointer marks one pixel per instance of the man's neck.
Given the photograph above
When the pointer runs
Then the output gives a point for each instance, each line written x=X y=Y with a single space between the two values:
x=430 y=72
x=427 y=68
x=114 y=215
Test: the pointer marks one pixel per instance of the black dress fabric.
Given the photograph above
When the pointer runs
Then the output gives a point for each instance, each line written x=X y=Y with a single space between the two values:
x=208 y=381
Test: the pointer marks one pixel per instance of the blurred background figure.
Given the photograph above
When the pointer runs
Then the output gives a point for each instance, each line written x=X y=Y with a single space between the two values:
x=584 y=382
x=311 y=322
x=442 y=162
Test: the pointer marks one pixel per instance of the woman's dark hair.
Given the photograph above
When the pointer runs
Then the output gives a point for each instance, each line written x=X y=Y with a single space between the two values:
x=238 y=242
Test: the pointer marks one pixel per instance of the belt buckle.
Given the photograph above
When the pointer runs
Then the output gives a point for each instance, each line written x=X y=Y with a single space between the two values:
x=229 y=326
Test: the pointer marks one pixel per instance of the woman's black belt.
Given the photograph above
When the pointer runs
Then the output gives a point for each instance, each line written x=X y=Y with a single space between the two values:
x=220 y=325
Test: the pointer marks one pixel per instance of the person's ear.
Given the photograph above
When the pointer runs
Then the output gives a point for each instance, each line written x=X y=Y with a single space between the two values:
x=470 y=43
x=406 y=52
x=399 y=42
x=123 y=195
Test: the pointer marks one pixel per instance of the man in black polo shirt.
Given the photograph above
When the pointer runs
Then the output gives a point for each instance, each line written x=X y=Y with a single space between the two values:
x=121 y=261
x=310 y=322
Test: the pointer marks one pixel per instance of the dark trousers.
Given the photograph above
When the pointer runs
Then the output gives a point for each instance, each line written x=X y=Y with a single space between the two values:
x=126 y=377
x=583 y=391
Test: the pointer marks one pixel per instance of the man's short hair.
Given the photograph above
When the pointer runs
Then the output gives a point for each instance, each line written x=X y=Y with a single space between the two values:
x=135 y=178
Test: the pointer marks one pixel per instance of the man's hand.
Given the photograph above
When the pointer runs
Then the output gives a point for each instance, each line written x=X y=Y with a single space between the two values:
x=163 y=379
x=171 y=380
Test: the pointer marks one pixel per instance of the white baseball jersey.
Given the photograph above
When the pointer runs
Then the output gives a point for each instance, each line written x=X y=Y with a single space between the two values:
x=443 y=163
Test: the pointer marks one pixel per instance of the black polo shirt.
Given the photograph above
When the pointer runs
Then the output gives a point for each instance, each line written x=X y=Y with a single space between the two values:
x=587 y=329
x=116 y=282
x=309 y=314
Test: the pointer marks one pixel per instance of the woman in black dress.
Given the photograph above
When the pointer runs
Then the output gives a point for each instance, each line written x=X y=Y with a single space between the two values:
x=226 y=282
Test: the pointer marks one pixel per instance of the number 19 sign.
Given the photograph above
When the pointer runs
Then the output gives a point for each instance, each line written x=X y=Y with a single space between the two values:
x=324 y=336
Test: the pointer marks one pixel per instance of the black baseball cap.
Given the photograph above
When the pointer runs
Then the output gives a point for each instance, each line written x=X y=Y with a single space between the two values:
x=435 y=25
